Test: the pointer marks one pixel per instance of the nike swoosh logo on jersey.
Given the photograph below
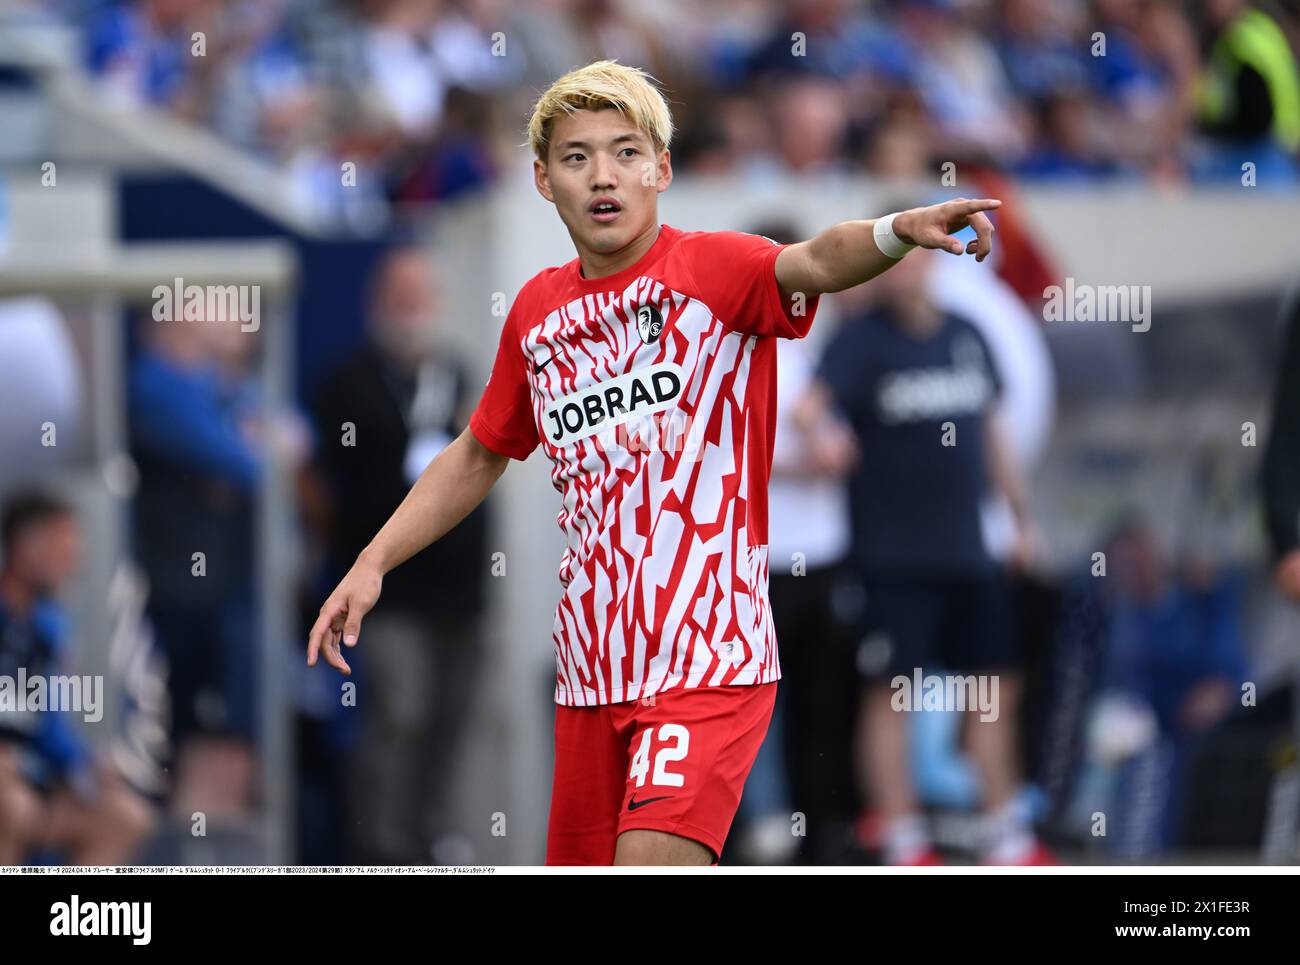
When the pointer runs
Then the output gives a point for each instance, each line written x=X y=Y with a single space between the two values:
x=633 y=804
x=538 y=368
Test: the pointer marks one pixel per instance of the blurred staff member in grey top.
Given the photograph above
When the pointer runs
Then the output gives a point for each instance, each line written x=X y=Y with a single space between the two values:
x=405 y=398
x=1282 y=460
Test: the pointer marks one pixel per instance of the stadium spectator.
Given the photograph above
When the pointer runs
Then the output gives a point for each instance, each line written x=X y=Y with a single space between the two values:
x=425 y=97
x=381 y=417
x=810 y=126
x=58 y=797
x=962 y=83
x=141 y=51
x=1070 y=140
x=1249 y=96
x=823 y=38
x=192 y=436
x=1174 y=646
x=1038 y=44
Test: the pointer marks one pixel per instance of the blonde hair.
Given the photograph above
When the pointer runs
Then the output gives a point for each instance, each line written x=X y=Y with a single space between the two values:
x=605 y=83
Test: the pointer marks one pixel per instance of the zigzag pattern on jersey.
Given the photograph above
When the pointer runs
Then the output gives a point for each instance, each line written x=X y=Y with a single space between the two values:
x=662 y=589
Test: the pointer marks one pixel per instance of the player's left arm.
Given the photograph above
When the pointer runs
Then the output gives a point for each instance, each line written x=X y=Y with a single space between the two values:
x=847 y=254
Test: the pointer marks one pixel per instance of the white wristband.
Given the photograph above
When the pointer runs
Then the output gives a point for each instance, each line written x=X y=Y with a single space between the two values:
x=889 y=243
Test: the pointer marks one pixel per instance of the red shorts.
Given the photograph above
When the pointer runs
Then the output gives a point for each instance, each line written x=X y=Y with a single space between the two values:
x=675 y=762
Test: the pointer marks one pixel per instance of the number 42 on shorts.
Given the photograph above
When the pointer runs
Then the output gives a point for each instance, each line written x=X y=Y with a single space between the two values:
x=674 y=742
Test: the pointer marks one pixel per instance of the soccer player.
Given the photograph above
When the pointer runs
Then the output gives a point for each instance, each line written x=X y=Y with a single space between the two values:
x=645 y=370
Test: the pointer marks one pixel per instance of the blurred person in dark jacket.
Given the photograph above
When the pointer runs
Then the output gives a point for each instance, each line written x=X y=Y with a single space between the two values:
x=381 y=416
x=56 y=793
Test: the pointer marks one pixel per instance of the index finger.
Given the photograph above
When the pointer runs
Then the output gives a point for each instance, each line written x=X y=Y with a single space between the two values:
x=967 y=206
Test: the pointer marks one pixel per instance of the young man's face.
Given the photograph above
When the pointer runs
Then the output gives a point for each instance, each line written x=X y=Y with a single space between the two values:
x=600 y=156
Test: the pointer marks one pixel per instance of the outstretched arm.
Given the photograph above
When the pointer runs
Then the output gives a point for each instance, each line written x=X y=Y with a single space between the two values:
x=448 y=490
x=847 y=254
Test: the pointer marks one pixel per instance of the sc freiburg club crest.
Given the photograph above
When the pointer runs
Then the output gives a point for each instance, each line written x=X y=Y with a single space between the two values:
x=649 y=323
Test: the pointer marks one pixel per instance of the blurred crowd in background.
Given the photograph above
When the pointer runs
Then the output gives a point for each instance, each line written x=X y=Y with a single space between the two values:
x=1131 y=686
x=427 y=97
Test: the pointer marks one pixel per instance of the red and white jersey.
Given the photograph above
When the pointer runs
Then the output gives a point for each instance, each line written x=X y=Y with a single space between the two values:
x=653 y=393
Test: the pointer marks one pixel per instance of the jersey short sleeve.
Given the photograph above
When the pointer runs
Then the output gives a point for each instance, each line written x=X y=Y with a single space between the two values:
x=736 y=275
x=503 y=420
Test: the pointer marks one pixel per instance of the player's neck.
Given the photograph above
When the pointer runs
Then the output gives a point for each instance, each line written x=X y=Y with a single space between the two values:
x=600 y=265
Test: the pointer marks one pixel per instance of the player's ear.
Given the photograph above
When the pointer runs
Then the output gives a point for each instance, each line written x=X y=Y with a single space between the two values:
x=665 y=170
x=542 y=180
